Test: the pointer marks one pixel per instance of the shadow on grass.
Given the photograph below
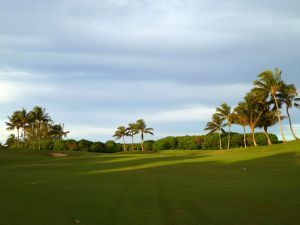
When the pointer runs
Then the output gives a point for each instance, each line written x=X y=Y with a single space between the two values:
x=131 y=164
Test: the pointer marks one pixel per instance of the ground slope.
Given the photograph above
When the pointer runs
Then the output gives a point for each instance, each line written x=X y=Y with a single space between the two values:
x=254 y=186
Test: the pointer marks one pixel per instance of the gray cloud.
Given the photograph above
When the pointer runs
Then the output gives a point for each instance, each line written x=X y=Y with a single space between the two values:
x=130 y=57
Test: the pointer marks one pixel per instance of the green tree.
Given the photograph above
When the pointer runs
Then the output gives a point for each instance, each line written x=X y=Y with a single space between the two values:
x=56 y=131
x=224 y=111
x=289 y=95
x=13 y=123
x=132 y=130
x=252 y=109
x=216 y=126
x=23 y=118
x=272 y=84
x=240 y=117
x=268 y=119
x=121 y=133
x=42 y=119
x=143 y=129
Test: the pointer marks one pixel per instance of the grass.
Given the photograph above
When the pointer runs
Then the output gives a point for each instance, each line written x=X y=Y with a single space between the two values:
x=254 y=186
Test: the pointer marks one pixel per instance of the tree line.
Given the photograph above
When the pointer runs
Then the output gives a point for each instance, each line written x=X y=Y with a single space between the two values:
x=33 y=127
x=260 y=108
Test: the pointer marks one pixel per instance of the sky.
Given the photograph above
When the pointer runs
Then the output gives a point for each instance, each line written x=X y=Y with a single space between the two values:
x=96 y=65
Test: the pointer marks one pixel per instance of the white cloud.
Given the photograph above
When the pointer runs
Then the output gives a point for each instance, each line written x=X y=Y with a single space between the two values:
x=182 y=115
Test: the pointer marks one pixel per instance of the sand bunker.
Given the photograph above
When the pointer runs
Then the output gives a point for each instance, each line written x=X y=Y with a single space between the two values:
x=57 y=154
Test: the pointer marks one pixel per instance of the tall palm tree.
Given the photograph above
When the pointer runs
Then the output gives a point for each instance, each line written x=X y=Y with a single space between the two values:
x=240 y=118
x=57 y=132
x=14 y=123
x=289 y=95
x=121 y=133
x=272 y=84
x=252 y=107
x=23 y=117
x=267 y=119
x=143 y=129
x=42 y=118
x=131 y=130
x=31 y=129
x=216 y=126
x=224 y=111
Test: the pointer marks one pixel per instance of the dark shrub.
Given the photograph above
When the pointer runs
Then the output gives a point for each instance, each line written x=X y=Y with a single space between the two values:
x=59 y=145
x=71 y=145
x=97 y=147
x=111 y=147
x=46 y=145
x=84 y=145
x=189 y=142
x=211 y=142
x=148 y=145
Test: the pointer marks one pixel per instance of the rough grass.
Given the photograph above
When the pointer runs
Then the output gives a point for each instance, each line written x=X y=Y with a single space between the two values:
x=254 y=186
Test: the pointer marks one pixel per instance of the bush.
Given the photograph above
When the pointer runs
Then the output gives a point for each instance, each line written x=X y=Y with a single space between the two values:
x=46 y=145
x=190 y=142
x=261 y=139
x=71 y=145
x=59 y=145
x=97 y=147
x=165 y=144
x=236 y=140
x=148 y=145
x=211 y=142
x=111 y=147
x=84 y=145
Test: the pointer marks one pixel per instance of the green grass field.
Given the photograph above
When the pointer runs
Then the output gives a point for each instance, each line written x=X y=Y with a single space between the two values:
x=254 y=186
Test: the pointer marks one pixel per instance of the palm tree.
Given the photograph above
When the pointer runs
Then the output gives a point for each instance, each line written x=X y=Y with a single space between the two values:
x=272 y=84
x=14 y=123
x=224 y=111
x=216 y=126
x=143 y=129
x=289 y=96
x=31 y=129
x=240 y=118
x=131 y=130
x=57 y=131
x=121 y=133
x=267 y=119
x=23 y=117
x=42 y=118
x=252 y=108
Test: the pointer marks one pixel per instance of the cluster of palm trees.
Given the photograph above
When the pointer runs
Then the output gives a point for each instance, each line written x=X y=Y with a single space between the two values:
x=34 y=126
x=139 y=127
x=260 y=108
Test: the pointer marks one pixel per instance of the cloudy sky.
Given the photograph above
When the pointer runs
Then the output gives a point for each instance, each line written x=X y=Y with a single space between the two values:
x=95 y=65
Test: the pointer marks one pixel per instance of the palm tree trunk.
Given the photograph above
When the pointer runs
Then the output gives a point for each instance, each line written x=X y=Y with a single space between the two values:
x=279 y=119
x=290 y=122
x=245 y=143
x=124 y=147
x=132 y=148
x=18 y=131
x=142 y=141
x=24 y=134
x=267 y=135
x=253 y=137
x=228 y=143
x=220 y=141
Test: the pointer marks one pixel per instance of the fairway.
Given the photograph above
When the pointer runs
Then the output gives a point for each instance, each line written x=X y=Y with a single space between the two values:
x=254 y=186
